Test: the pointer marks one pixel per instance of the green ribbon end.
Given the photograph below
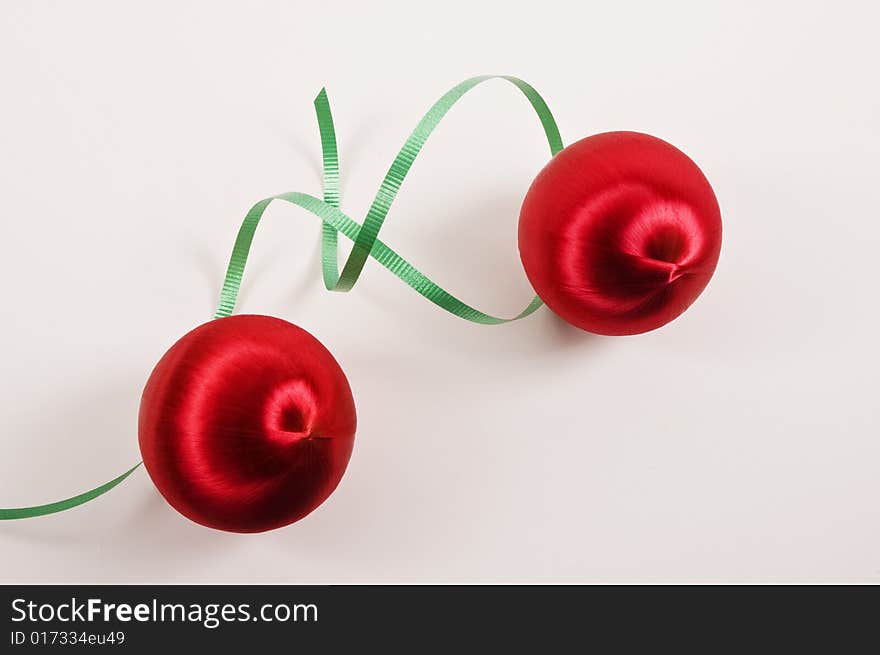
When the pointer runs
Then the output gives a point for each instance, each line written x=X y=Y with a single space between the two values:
x=61 y=505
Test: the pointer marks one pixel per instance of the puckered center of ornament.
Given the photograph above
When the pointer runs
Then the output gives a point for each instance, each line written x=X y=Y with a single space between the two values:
x=666 y=235
x=290 y=411
x=666 y=244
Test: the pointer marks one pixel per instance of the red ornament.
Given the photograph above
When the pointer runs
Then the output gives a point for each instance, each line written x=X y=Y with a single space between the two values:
x=620 y=233
x=246 y=424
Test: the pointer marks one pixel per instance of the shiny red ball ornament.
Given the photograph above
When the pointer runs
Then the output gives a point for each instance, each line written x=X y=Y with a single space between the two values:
x=246 y=424
x=620 y=233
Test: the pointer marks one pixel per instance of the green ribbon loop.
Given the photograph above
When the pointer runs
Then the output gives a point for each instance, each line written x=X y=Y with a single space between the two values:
x=365 y=237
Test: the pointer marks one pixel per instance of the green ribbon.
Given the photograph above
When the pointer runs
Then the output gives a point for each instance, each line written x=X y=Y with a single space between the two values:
x=365 y=237
x=61 y=505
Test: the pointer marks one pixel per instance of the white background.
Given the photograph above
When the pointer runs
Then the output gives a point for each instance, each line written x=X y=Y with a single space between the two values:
x=739 y=443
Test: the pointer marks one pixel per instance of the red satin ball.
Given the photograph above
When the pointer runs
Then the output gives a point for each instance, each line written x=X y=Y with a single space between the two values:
x=620 y=233
x=246 y=424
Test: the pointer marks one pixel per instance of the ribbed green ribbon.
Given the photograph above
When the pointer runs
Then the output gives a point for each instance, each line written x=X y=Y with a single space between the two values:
x=365 y=237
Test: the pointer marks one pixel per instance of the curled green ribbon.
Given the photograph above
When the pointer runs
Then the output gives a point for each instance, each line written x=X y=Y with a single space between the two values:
x=365 y=237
